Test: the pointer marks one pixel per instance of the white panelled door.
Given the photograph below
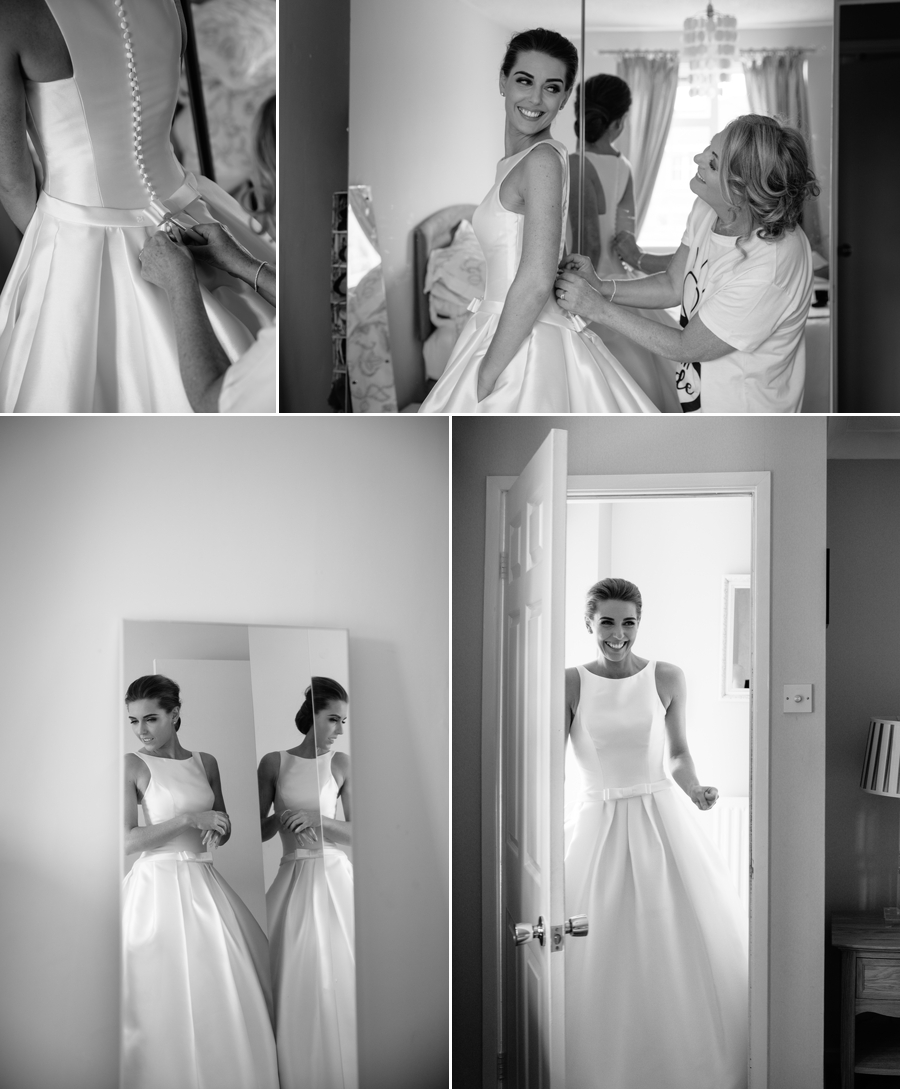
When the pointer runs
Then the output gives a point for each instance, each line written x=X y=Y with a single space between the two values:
x=533 y=727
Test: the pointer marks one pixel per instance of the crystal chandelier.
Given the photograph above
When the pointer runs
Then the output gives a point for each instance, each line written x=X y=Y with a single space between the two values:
x=711 y=50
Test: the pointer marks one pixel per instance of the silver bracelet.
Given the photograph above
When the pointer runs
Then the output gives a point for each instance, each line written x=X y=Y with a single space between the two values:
x=615 y=284
x=641 y=258
x=262 y=265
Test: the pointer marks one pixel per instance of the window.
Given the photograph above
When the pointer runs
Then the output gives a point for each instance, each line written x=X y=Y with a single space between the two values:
x=694 y=123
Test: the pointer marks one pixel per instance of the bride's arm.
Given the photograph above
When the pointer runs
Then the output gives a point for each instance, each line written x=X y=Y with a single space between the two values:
x=336 y=831
x=672 y=690
x=573 y=694
x=18 y=181
x=540 y=185
x=145 y=838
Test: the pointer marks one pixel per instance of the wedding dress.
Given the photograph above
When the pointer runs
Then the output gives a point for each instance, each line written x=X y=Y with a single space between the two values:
x=196 y=998
x=560 y=366
x=310 y=908
x=657 y=993
x=80 y=330
x=654 y=374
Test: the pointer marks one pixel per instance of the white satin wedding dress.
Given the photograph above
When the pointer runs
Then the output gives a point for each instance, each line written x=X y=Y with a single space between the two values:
x=657 y=993
x=310 y=909
x=80 y=330
x=196 y=997
x=561 y=366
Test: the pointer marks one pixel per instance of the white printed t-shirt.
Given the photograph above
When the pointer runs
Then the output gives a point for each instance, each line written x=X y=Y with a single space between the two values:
x=249 y=383
x=759 y=304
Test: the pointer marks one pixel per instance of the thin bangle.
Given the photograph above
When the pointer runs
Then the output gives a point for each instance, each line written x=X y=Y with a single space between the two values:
x=615 y=284
x=262 y=265
x=641 y=258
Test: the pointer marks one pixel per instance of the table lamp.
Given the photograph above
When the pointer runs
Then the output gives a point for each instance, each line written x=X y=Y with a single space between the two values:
x=881 y=775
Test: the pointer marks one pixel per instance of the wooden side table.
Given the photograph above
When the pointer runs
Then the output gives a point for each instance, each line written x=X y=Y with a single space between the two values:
x=870 y=983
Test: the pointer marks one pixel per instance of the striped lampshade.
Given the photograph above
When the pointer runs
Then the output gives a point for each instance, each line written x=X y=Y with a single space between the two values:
x=881 y=771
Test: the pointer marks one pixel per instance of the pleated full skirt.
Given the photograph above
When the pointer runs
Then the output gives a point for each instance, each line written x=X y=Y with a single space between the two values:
x=82 y=331
x=196 y=996
x=657 y=993
x=310 y=910
x=556 y=369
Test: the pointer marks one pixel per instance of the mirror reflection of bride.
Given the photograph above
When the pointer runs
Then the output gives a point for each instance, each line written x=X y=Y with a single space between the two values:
x=310 y=902
x=657 y=992
x=185 y=1005
x=95 y=86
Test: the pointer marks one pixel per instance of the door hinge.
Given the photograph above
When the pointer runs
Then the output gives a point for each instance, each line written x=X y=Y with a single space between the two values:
x=501 y=1066
x=504 y=564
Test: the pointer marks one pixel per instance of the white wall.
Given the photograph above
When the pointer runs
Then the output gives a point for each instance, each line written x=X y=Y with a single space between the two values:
x=426 y=131
x=330 y=522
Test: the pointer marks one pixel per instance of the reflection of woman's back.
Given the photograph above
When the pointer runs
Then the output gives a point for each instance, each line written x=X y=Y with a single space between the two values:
x=656 y=994
x=310 y=908
x=80 y=330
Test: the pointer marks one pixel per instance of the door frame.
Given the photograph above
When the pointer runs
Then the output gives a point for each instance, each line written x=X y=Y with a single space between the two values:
x=756 y=486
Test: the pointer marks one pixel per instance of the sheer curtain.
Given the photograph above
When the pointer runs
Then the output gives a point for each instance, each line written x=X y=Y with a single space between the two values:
x=653 y=79
x=776 y=85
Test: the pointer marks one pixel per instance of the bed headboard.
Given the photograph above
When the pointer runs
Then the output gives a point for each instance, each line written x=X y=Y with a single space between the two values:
x=431 y=234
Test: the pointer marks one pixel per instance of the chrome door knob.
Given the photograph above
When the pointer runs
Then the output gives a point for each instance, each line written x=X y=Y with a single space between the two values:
x=577 y=926
x=525 y=932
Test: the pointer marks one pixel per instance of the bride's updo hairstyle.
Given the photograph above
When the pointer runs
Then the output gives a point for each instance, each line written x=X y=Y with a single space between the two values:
x=611 y=590
x=606 y=99
x=542 y=41
x=765 y=165
x=156 y=687
x=321 y=692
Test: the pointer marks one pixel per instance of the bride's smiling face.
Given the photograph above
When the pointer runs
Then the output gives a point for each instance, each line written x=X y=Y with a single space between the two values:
x=614 y=626
x=535 y=92
x=152 y=725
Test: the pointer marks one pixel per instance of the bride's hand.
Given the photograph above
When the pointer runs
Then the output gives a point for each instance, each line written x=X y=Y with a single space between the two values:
x=210 y=821
x=582 y=266
x=302 y=822
x=704 y=797
x=575 y=295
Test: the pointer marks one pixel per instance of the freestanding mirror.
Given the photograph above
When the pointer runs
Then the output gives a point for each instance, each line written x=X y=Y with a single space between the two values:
x=238 y=954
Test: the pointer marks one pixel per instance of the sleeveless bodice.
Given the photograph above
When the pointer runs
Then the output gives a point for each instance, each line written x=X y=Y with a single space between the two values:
x=304 y=784
x=176 y=787
x=500 y=233
x=614 y=172
x=619 y=731
x=90 y=129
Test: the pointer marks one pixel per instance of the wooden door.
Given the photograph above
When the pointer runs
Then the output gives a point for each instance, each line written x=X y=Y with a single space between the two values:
x=534 y=747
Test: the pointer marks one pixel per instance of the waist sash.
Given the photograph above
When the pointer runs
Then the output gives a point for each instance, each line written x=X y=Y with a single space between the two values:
x=156 y=214
x=174 y=856
x=309 y=852
x=614 y=794
x=551 y=314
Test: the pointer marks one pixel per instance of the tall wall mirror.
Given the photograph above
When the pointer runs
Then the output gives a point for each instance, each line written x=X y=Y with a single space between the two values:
x=237 y=907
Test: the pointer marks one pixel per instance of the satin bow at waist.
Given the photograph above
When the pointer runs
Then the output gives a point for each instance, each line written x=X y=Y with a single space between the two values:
x=174 y=856
x=309 y=852
x=551 y=314
x=155 y=214
x=614 y=794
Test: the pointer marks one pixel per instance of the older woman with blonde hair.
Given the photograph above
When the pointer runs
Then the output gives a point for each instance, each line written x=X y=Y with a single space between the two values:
x=743 y=276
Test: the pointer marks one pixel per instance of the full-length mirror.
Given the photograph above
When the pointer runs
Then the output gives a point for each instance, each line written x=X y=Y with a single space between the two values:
x=237 y=909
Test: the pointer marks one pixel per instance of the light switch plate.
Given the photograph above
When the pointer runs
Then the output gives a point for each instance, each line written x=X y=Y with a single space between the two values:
x=797 y=698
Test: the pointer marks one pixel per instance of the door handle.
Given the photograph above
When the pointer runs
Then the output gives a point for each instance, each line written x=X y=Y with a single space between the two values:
x=577 y=926
x=525 y=932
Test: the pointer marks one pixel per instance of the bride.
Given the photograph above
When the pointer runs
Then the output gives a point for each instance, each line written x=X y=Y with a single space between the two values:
x=94 y=85
x=520 y=352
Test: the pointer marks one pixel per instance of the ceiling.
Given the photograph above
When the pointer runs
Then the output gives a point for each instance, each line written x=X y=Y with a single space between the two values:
x=864 y=437
x=565 y=15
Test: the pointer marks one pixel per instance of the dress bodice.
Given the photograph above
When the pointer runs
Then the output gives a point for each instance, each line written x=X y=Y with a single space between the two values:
x=176 y=787
x=619 y=731
x=90 y=129
x=613 y=172
x=304 y=784
x=500 y=231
